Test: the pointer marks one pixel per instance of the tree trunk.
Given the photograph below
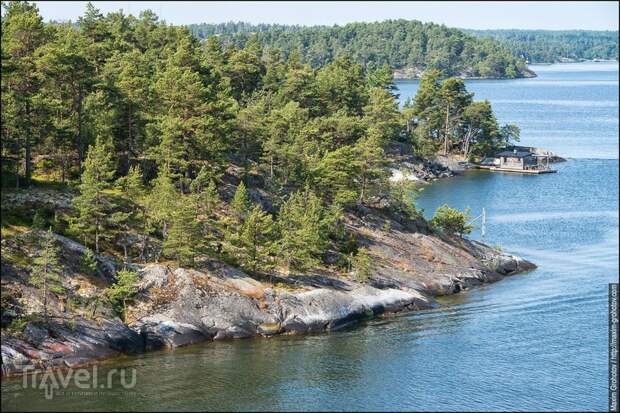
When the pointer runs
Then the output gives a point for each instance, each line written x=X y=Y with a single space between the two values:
x=129 y=136
x=78 y=138
x=27 y=157
x=271 y=168
x=45 y=294
x=445 y=145
x=16 y=175
x=363 y=189
x=62 y=168
x=125 y=252
x=97 y=235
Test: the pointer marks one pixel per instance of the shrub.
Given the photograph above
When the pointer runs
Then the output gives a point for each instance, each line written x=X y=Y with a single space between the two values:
x=451 y=221
x=88 y=262
x=362 y=263
x=39 y=221
x=123 y=290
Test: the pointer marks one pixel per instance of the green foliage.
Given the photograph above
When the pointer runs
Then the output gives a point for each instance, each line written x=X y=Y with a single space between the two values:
x=93 y=205
x=547 y=46
x=152 y=123
x=252 y=241
x=304 y=225
x=130 y=221
x=241 y=203
x=123 y=290
x=38 y=220
x=46 y=270
x=444 y=115
x=403 y=194
x=183 y=240
x=88 y=262
x=397 y=43
x=362 y=265
x=451 y=221
x=162 y=201
x=18 y=325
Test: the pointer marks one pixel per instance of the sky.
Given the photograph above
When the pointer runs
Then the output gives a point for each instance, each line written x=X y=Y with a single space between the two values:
x=551 y=15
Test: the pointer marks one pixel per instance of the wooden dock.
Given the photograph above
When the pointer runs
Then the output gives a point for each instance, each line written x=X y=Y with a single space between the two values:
x=518 y=171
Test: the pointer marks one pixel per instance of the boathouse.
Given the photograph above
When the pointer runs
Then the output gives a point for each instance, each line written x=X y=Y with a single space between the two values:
x=515 y=159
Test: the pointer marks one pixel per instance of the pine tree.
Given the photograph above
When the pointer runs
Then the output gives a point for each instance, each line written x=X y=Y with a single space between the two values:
x=69 y=77
x=205 y=191
x=454 y=98
x=370 y=165
x=195 y=116
x=162 y=202
x=382 y=113
x=253 y=242
x=241 y=203
x=46 y=270
x=183 y=241
x=88 y=262
x=304 y=225
x=131 y=220
x=93 y=204
x=383 y=78
x=23 y=34
x=123 y=290
x=362 y=265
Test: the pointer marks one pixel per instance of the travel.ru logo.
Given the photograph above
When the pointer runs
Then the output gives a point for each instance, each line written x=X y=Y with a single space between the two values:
x=88 y=381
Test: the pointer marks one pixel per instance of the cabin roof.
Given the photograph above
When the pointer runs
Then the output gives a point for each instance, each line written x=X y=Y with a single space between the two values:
x=514 y=154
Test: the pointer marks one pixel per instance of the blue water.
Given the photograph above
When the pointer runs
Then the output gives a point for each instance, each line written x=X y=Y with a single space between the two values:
x=535 y=341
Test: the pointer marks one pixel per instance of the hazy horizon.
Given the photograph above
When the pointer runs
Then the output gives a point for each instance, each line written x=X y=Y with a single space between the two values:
x=464 y=15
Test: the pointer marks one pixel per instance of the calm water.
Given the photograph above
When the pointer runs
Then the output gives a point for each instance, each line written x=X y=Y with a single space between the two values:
x=534 y=341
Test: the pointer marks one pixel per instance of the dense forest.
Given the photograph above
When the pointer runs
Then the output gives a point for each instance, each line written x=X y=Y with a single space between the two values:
x=547 y=46
x=401 y=44
x=244 y=153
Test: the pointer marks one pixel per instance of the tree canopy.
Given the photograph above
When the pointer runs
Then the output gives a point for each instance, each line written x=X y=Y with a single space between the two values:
x=180 y=149
x=400 y=44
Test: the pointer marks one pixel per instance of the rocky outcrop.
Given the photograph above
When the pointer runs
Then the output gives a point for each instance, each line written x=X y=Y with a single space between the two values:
x=406 y=166
x=225 y=303
x=214 y=301
x=67 y=344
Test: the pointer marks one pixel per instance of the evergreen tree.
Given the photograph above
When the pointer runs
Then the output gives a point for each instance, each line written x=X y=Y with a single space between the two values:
x=93 y=205
x=123 y=290
x=382 y=113
x=304 y=225
x=69 y=76
x=241 y=203
x=184 y=240
x=205 y=192
x=383 y=78
x=131 y=219
x=162 y=202
x=454 y=99
x=452 y=221
x=46 y=271
x=23 y=34
x=253 y=242
x=88 y=262
x=371 y=172
x=362 y=265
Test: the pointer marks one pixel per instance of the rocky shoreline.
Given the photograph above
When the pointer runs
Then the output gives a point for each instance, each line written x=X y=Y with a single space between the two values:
x=214 y=301
x=414 y=73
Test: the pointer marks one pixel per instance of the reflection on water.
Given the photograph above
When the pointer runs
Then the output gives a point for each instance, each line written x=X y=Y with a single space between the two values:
x=534 y=341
